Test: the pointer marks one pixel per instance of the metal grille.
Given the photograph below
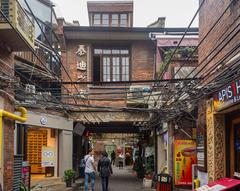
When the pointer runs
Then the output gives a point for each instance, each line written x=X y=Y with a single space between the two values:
x=25 y=23
x=17 y=172
x=5 y=9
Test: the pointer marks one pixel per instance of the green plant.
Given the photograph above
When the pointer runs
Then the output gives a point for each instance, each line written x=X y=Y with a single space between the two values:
x=168 y=54
x=69 y=174
x=161 y=69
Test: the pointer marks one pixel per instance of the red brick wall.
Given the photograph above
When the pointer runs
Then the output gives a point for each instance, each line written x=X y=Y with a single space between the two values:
x=209 y=14
x=143 y=60
x=110 y=7
x=8 y=147
x=8 y=126
x=142 y=68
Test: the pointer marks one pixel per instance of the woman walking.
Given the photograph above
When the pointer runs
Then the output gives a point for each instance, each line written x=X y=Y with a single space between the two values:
x=105 y=169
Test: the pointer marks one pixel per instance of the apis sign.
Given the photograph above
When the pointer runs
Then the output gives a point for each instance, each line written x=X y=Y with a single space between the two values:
x=227 y=96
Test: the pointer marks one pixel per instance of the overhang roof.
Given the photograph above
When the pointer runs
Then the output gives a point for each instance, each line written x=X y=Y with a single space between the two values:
x=119 y=33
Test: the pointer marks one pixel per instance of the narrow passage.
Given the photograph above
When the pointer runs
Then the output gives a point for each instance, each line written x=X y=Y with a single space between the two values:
x=121 y=180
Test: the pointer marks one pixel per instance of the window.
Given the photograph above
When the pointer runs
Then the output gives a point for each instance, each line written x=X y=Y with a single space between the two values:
x=123 y=20
x=97 y=19
x=106 y=69
x=115 y=20
x=125 y=68
x=105 y=20
x=112 y=20
x=115 y=68
x=115 y=64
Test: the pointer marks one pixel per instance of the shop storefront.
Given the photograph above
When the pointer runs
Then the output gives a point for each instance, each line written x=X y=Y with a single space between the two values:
x=162 y=153
x=42 y=150
x=45 y=142
x=233 y=142
x=227 y=101
x=223 y=133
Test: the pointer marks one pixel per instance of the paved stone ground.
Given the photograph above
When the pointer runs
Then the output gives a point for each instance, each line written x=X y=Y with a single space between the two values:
x=121 y=180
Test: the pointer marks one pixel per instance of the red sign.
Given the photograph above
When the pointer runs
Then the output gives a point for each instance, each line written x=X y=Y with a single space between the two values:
x=184 y=158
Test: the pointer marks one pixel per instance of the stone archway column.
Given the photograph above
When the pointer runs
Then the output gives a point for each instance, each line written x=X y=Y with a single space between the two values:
x=215 y=144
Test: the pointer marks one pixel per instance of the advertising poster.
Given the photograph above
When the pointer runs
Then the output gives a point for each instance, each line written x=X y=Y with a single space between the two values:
x=48 y=156
x=184 y=157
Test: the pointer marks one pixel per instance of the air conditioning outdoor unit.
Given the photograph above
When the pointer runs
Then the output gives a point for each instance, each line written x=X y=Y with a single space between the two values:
x=43 y=96
x=30 y=88
x=138 y=94
x=30 y=94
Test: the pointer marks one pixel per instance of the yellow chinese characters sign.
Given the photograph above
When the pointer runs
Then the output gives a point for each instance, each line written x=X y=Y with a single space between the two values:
x=184 y=157
x=48 y=156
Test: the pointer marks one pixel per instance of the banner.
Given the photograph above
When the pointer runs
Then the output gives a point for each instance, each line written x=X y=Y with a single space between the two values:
x=48 y=156
x=184 y=157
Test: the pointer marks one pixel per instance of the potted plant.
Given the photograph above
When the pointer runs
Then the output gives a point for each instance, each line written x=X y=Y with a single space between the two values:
x=68 y=176
x=73 y=176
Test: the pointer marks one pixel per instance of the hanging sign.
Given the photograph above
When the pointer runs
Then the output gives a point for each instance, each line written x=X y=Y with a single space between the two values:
x=227 y=96
x=48 y=156
x=184 y=158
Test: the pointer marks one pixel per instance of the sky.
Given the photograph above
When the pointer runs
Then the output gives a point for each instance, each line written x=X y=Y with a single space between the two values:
x=178 y=13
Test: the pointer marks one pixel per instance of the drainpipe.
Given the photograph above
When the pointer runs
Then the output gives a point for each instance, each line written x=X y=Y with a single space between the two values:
x=14 y=117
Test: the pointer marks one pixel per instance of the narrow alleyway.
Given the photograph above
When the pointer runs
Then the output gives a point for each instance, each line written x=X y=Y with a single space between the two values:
x=121 y=180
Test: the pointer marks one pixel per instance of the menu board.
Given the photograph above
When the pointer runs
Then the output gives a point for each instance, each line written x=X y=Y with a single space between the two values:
x=184 y=158
x=201 y=151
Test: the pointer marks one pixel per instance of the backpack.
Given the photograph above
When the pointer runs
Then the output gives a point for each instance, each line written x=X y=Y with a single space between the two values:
x=83 y=162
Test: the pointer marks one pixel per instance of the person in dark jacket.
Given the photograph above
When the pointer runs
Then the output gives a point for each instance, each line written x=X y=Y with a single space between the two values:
x=105 y=169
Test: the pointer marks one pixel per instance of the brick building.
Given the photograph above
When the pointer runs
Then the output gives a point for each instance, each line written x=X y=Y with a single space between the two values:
x=113 y=65
x=13 y=37
x=218 y=116
x=180 y=126
x=29 y=58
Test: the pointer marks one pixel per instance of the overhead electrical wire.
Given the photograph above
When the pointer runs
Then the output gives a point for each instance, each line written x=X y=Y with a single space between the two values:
x=214 y=48
x=202 y=93
x=50 y=45
x=202 y=40
x=30 y=48
x=214 y=25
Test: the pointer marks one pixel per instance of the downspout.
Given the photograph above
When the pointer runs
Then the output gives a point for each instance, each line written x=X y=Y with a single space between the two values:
x=3 y=113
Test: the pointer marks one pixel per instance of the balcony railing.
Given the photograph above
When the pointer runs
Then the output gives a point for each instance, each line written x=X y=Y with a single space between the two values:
x=20 y=22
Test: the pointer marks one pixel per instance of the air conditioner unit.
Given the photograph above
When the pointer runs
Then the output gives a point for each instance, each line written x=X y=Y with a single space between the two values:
x=30 y=88
x=138 y=94
x=43 y=96
x=30 y=94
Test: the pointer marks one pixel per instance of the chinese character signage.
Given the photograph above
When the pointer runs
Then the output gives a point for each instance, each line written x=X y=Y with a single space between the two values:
x=184 y=157
x=81 y=51
x=227 y=96
x=81 y=54
x=82 y=65
x=48 y=157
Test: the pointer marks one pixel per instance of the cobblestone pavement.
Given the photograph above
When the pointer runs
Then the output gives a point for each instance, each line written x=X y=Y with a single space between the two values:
x=121 y=180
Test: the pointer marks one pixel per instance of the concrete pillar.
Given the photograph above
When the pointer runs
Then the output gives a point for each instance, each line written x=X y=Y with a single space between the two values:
x=215 y=144
x=170 y=153
x=65 y=151
x=161 y=160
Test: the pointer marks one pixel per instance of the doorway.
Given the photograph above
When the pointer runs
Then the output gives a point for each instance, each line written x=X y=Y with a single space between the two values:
x=97 y=69
x=236 y=151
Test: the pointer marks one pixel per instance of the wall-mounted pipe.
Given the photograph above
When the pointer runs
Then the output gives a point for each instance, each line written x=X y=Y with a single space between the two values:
x=22 y=118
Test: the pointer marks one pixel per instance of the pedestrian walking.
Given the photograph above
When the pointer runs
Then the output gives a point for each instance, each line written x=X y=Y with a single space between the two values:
x=89 y=170
x=113 y=157
x=105 y=169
